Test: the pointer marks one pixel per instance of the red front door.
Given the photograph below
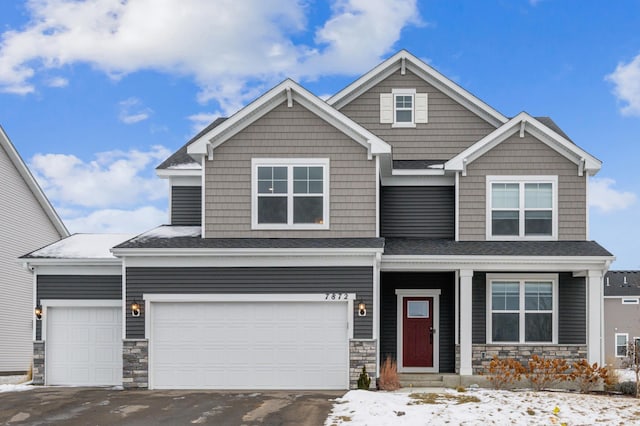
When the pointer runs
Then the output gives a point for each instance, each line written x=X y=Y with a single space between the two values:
x=417 y=332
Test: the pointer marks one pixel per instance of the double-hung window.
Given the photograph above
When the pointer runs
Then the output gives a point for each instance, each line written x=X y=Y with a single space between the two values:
x=522 y=207
x=622 y=342
x=522 y=309
x=290 y=193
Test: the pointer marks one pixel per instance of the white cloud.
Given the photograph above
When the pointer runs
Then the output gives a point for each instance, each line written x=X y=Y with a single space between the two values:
x=57 y=82
x=626 y=80
x=113 y=179
x=605 y=198
x=133 y=111
x=201 y=120
x=118 y=221
x=231 y=48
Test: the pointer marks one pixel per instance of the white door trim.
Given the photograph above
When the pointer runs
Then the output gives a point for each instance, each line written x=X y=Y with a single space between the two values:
x=435 y=294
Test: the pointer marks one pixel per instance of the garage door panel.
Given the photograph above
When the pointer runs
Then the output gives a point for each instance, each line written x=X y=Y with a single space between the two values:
x=255 y=345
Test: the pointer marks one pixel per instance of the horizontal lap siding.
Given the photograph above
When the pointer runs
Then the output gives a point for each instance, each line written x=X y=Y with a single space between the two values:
x=357 y=280
x=479 y=308
x=77 y=287
x=290 y=133
x=417 y=211
x=186 y=205
x=390 y=281
x=451 y=128
x=523 y=156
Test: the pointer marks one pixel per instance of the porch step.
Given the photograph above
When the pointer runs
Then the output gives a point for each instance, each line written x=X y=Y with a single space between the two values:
x=428 y=380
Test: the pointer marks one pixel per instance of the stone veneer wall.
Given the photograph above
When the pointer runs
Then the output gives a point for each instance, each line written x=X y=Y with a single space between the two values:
x=38 y=362
x=362 y=353
x=135 y=364
x=522 y=353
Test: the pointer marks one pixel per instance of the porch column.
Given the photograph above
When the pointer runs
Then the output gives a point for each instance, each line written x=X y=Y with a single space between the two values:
x=466 y=322
x=595 y=316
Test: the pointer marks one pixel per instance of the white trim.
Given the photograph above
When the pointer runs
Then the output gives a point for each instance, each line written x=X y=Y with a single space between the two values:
x=595 y=319
x=457 y=207
x=400 y=295
x=586 y=203
x=72 y=303
x=172 y=173
x=203 y=199
x=377 y=196
x=630 y=301
x=376 y=306
x=124 y=300
x=421 y=179
x=290 y=163
x=521 y=181
x=456 y=304
x=620 y=297
x=186 y=180
x=466 y=322
x=404 y=92
x=522 y=279
x=34 y=297
x=615 y=344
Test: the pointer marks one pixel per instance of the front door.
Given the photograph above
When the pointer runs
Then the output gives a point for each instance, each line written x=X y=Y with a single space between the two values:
x=417 y=332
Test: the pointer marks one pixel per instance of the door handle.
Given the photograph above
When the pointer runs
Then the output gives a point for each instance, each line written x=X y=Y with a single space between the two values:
x=431 y=332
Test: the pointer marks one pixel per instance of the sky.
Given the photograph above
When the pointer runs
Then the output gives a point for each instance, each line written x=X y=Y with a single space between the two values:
x=95 y=94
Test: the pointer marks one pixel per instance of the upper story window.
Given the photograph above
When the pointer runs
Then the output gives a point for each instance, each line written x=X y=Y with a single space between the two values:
x=290 y=193
x=522 y=207
x=403 y=108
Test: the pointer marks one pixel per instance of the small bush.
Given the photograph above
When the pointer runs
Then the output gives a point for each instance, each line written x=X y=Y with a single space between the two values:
x=627 y=388
x=544 y=372
x=504 y=372
x=389 y=380
x=461 y=389
x=364 y=380
x=588 y=376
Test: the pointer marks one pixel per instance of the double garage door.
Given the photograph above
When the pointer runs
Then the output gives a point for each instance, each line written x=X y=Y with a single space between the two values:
x=248 y=345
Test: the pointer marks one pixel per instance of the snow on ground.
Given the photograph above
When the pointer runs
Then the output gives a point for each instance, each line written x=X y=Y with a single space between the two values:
x=15 y=387
x=482 y=407
x=626 y=375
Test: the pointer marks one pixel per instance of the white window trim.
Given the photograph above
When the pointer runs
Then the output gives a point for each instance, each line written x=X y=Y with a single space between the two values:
x=521 y=180
x=630 y=301
x=289 y=162
x=404 y=92
x=615 y=344
x=522 y=278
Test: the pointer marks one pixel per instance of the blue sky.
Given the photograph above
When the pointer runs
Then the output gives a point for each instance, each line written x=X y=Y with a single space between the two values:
x=94 y=94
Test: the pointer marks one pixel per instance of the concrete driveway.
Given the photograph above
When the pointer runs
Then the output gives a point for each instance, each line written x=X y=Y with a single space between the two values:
x=94 y=406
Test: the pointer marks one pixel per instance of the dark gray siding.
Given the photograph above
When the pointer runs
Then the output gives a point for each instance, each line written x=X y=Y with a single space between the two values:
x=572 y=309
x=186 y=205
x=572 y=314
x=102 y=287
x=357 y=280
x=389 y=282
x=417 y=211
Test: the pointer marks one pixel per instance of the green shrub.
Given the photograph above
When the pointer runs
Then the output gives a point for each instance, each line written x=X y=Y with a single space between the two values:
x=627 y=388
x=364 y=380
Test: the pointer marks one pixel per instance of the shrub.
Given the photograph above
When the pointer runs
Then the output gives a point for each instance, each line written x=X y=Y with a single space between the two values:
x=364 y=380
x=588 y=376
x=504 y=372
x=543 y=372
x=389 y=375
x=627 y=388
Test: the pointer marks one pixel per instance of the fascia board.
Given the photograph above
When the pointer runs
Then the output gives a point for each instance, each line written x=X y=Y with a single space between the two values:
x=221 y=252
x=69 y=262
x=169 y=173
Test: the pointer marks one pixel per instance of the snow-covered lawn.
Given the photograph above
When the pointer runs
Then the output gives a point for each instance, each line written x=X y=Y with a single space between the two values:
x=482 y=407
x=15 y=388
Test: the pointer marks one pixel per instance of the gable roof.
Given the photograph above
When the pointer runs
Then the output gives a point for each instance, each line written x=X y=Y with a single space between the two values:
x=33 y=186
x=404 y=60
x=521 y=123
x=288 y=91
x=622 y=283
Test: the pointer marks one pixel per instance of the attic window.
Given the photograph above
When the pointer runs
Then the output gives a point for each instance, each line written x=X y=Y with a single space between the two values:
x=403 y=108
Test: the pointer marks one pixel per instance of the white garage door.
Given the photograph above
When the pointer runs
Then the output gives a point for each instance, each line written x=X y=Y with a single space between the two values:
x=249 y=345
x=84 y=346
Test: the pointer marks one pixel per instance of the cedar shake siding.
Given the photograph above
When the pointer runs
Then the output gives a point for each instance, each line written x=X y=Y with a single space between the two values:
x=77 y=287
x=186 y=205
x=417 y=211
x=523 y=156
x=358 y=280
x=451 y=128
x=290 y=133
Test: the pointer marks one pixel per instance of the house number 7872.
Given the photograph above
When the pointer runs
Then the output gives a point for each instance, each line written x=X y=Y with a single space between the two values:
x=336 y=296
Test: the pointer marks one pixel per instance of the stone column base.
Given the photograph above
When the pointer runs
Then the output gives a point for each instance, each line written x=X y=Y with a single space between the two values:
x=38 y=362
x=362 y=353
x=135 y=364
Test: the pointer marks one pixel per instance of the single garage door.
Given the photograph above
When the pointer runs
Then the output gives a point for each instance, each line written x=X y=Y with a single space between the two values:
x=84 y=346
x=249 y=345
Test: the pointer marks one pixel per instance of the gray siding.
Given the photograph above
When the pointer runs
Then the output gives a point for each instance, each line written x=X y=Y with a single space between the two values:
x=619 y=318
x=357 y=280
x=417 y=211
x=451 y=128
x=523 y=156
x=290 y=133
x=390 y=281
x=572 y=312
x=24 y=227
x=103 y=287
x=186 y=205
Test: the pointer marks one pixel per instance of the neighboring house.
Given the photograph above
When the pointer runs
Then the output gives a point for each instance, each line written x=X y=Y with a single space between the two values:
x=402 y=217
x=27 y=221
x=621 y=314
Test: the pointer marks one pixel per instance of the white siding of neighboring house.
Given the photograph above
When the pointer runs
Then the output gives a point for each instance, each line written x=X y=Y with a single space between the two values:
x=24 y=227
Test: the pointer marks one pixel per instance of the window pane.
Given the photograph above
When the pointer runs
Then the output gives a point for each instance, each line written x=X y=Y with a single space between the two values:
x=538 y=196
x=505 y=223
x=404 y=101
x=537 y=327
x=307 y=210
x=272 y=209
x=417 y=309
x=265 y=187
x=621 y=350
x=505 y=327
x=505 y=195
x=272 y=180
x=315 y=187
x=300 y=187
x=280 y=186
x=538 y=296
x=537 y=222
x=404 y=116
x=621 y=340
x=300 y=173
x=315 y=173
x=280 y=173
x=265 y=173
x=505 y=296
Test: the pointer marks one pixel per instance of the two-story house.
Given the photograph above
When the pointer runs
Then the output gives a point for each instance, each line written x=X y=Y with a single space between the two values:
x=402 y=217
x=621 y=316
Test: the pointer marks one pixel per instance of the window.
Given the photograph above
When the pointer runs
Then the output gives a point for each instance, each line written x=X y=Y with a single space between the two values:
x=521 y=207
x=630 y=301
x=522 y=310
x=290 y=193
x=403 y=108
x=622 y=340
